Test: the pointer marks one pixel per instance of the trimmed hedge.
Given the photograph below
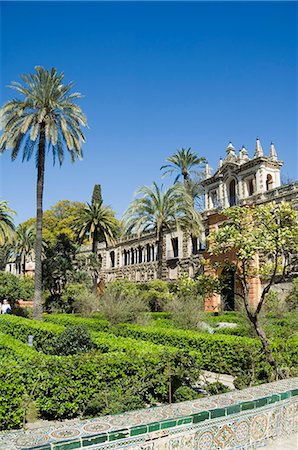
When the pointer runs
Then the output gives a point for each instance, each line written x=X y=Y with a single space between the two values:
x=45 y=334
x=94 y=324
x=11 y=347
x=63 y=387
x=219 y=352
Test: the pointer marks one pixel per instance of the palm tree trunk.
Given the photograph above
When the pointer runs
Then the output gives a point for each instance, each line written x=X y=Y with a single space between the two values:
x=37 y=303
x=95 y=274
x=160 y=239
x=24 y=265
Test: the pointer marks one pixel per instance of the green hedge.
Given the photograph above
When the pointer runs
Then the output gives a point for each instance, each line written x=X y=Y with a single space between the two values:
x=95 y=324
x=11 y=347
x=63 y=387
x=45 y=334
x=220 y=352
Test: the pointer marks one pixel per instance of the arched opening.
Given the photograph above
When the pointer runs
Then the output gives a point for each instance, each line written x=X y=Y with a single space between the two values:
x=112 y=258
x=269 y=182
x=148 y=251
x=232 y=193
x=228 y=292
x=250 y=186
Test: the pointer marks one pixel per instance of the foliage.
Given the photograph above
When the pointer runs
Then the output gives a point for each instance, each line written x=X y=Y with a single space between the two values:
x=185 y=393
x=24 y=242
x=220 y=353
x=58 y=220
x=160 y=211
x=97 y=222
x=73 y=340
x=187 y=310
x=215 y=388
x=123 y=287
x=11 y=395
x=183 y=162
x=6 y=222
x=156 y=294
x=5 y=254
x=15 y=288
x=118 y=307
x=63 y=387
x=96 y=195
x=292 y=299
x=269 y=231
x=57 y=265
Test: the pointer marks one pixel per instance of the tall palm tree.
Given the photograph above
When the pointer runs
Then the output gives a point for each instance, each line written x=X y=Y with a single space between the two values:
x=24 y=244
x=6 y=223
x=183 y=163
x=97 y=223
x=161 y=211
x=46 y=118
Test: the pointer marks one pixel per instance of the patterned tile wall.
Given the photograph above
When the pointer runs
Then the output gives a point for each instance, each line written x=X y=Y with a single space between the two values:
x=244 y=419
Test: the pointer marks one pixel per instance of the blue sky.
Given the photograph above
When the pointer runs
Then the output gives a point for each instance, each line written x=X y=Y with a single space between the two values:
x=156 y=76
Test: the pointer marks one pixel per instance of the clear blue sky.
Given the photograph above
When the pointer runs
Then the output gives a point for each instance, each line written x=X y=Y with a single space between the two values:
x=156 y=76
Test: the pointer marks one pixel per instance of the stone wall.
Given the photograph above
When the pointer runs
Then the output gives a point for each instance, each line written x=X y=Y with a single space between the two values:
x=243 y=420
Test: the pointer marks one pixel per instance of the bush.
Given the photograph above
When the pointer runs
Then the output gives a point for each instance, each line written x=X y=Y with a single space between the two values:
x=119 y=307
x=186 y=310
x=185 y=393
x=15 y=288
x=157 y=294
x=73 y=340
x=292 y=299
x=75 y=299
x=45 y=334
x=216 y=388
x=123 y=287
x=11 y=394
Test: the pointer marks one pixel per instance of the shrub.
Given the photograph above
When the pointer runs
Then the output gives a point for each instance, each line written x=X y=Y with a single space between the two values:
x=26 y=287
x=11 y=394
x=292 y=299
x=186 y=310
x=123 y=287
x=157 y=295
x=184 y=393
x=9 y=286
x=45 y=334
x=71 y=319
x=119 y=307
x=74 y=339
x=216 y=388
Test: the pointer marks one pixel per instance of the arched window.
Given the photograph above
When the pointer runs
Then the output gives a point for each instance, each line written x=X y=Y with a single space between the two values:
x=232 y=193
x=250 y=186
x=148 y=251
x=112 y=257
x=269 y=182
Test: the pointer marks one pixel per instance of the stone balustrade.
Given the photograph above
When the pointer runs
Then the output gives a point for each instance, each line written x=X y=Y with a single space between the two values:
x=244 y=419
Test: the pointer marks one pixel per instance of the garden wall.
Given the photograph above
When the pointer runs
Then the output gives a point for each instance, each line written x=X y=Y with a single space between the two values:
x=240 y=419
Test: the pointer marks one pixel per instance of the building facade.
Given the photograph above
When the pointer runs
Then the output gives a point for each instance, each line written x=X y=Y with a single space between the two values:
x=238 y=180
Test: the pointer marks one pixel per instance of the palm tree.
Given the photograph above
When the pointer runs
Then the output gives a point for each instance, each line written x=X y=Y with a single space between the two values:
x=183 y=162
x=98 y=223
x=46 y=118
x=161 y=212
x=24 y=244
x=6 y=223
